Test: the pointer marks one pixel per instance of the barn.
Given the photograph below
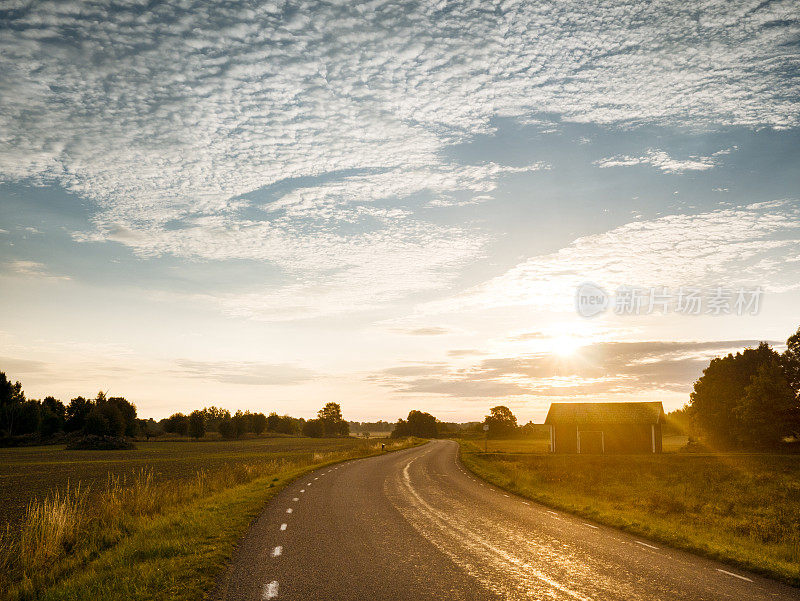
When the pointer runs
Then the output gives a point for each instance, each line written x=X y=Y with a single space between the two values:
x=605 y=427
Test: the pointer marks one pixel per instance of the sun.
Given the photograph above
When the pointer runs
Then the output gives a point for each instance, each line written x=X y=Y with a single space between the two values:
x=564 y=346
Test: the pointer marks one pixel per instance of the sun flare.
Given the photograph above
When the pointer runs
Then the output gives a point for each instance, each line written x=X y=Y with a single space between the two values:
x=565 y=346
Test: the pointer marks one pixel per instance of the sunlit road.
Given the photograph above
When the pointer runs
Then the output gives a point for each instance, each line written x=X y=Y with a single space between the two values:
x=415 y=525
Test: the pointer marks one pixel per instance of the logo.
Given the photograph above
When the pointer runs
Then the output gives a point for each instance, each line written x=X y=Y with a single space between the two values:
x=590 y=300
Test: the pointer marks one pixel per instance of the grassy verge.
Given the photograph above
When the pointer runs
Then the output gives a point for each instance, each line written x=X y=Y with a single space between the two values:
x=741 y=509
x=140 y=539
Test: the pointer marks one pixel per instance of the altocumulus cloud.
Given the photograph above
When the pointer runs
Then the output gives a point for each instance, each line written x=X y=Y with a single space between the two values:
x=171 y=113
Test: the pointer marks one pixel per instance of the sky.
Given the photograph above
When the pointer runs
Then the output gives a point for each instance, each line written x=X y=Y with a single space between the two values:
x=393 y=205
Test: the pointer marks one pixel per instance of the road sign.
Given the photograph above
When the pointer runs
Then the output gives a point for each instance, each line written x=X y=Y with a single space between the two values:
x=485 y=427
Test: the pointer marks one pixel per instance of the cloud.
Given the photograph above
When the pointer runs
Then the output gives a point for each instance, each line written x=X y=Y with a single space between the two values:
x=174 y=112
x=598 y=368
x=245 y=372
x=427 y=331
x=30 y=269
x=663 y=161
x=730 y=247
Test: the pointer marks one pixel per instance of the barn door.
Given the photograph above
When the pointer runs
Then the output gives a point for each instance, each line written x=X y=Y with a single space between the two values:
x=591 y=441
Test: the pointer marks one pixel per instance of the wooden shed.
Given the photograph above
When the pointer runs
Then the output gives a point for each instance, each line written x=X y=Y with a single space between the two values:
x=605 y=427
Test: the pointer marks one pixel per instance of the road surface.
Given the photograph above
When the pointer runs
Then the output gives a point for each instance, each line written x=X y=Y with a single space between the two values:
x=415 y=525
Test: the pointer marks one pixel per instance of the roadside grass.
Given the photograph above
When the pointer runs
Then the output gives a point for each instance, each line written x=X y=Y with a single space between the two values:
x=143 y=539
x=742 y=509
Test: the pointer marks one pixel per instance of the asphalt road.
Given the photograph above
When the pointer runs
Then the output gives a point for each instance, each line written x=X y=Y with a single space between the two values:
x=416 y=525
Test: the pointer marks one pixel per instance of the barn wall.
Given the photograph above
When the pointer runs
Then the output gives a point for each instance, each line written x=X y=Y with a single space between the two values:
x=566 y=439
x=618 y=438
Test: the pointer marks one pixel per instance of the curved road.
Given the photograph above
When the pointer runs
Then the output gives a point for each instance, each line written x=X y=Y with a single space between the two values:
x=414 y=524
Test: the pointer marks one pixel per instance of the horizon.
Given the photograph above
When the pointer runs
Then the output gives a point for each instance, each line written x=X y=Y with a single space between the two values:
x=394 y=209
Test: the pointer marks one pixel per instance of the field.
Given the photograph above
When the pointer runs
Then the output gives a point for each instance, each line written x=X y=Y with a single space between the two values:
x=28 y=473
x=159 y=522
x=739 y=508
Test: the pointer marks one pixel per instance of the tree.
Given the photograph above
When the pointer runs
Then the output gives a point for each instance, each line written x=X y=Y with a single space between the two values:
x=501 y=422
x=314 y=428
x=128 y=412
x=719 y=391
x=769 y=409
x=418 y=423
x=226 y=428
x=332 y=422
x=51 y=416
x=177 y=423
x=197 y=424
x=77 y=412
x=239 y=424
x=259 y=423
x=105 y=419
x=791 y=361
x=11 y=400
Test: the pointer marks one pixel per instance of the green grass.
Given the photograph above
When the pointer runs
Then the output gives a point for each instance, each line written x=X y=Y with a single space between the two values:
x=743 y=509
x=142 y=537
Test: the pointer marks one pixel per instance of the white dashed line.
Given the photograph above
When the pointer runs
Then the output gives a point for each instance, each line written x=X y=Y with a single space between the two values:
x=316 y=478
x=302 y=490
x=309 y=484
x=283 y=526
x=270 y=590
x=734 y=575
x=289 y=510
x=506 y=496
x=591 y=526
x=551 y=512
x=277 y=551
x=638 y=542
x=296 y=499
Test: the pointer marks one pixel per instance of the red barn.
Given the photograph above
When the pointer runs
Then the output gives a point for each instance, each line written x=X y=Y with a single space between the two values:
x=605 y=427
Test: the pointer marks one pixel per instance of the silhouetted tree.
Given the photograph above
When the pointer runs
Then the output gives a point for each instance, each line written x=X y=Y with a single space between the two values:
x=501 y=422
x=77 y=412
x=418 y=423
x=177 y=423
x=197 y=424
x=791 y=361
x=259 y=423
x=314 y=428
x=11 y=400
x=226 y=427
x=769 y=410
x=332 y=422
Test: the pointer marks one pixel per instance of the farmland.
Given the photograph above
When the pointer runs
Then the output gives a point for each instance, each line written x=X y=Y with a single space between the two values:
x=743 y=508
x=29 y=473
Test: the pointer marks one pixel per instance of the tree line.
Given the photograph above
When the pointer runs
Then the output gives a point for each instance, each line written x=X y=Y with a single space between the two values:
x=747 y=400
x=22 y=418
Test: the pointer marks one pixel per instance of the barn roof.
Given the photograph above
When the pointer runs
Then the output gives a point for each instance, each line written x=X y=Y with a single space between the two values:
x=605 y=413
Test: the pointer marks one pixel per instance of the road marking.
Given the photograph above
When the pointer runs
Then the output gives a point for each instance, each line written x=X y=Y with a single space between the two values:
x=506 y=496
x=309 y=484
x=316 y=478
x=270 y=590
x=552 y=512
x=592 y=526
x=638 y=542
x=734 y=575
x=296 y=499
x=277 y=551
x=525 y=503
x=302 y=490
x=289 y=510
x=283 y=526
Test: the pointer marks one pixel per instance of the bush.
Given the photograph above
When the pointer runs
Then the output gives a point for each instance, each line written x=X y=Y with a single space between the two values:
x=93 y=442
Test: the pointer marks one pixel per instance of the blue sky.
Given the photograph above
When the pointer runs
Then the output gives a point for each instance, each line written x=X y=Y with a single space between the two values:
x=268 y=205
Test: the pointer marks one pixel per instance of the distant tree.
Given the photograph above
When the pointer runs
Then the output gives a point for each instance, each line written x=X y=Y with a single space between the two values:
x=332 y=422
x=128 y=412
x=259 y=423
x=502 y=423
x=239 y=423
x=11 y=400
x=105 y=419
x=213 y=416
x=226 y=427
x=720 y=390
x=177 y=423
x=314 y=428
x=51 y=416
x=77 y=412
x=769 y=410
x=197 y=424
x=418 y=423
x=273 y=422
